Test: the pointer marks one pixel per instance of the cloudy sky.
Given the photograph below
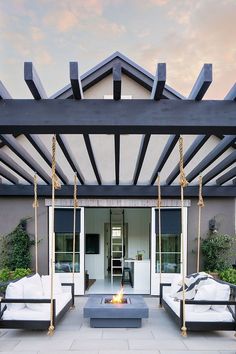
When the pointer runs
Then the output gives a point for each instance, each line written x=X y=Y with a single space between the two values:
x=183 y=33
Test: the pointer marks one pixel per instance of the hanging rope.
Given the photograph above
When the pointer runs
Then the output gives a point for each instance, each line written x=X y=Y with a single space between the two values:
x=183 y=183
x=200 y=206
x=35 y=206
x=76 y=204
x=55 y=185
x=159 y=224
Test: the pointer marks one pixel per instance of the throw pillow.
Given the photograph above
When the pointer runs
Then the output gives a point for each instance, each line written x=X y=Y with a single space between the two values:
x=205 y=292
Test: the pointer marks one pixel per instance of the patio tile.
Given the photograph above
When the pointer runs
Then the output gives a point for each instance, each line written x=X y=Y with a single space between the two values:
x=100 y=344
x=189 y=352
x=48 y=343
x=6 y=345
x=210 y=343
x=128 y=334
x=130 y=352
x=152 y=344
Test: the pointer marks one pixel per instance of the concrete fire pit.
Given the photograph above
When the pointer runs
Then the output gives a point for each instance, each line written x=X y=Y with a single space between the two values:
x=103 y=314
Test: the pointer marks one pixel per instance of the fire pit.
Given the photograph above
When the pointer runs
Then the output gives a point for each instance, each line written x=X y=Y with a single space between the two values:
x=104 y=313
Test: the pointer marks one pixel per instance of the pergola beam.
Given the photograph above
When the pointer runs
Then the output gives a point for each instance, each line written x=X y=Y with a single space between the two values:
x=226 y=177
x=159 y=82
x=8 y=175
x=75 y=81
x=33 y=82
x=92 y=158
x=4 y=94
x=141 y=156
x=45 y=154
x=172 y=141
x=231 y=95
x=212 y=156
x=15 y=146
x=116 y=72
x=188 y=156
x=69 y=156
x=125 y=191
x=9 y=162
x=202 y=83
x=121 y=117
x=228 y=161
x=117 y=158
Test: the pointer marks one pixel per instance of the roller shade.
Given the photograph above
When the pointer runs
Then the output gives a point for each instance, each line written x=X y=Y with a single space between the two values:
x=170 y=221
x=64 y=219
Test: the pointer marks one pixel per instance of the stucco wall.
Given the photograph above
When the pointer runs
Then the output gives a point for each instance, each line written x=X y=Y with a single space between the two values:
x=12 y=210
x=224 y=212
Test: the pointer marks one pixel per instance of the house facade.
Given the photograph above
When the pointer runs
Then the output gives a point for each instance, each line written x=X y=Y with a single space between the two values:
x=117 y=218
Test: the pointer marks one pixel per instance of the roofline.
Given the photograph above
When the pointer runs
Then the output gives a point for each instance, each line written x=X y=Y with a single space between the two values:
x=106 y=61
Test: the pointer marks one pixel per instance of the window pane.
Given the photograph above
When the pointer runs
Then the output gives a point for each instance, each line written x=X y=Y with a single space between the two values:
x=169 y=243
x=64 y=242
x=63 y=262
x=170 y=263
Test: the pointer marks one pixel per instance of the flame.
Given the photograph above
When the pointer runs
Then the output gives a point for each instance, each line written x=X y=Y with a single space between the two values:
x=118 y=298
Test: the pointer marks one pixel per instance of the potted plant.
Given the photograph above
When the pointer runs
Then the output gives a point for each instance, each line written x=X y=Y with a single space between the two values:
x=216 y=252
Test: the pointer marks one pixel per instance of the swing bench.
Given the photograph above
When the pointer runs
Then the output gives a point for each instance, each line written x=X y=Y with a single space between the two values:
x=26 y=306
x=201 y=315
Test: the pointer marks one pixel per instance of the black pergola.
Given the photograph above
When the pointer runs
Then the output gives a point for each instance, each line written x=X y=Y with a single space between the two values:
x=165 y=112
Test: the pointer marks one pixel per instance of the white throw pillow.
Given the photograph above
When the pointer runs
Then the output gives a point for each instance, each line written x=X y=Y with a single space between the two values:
x=175 y=285
x=35 y=281
x=46 y=281
x=15 y=291
x=33 y=292
x=205 y=292
x=222 y=294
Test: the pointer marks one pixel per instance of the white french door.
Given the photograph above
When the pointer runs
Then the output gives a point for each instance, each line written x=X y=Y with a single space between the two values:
x=171 y=253
x=63 y=226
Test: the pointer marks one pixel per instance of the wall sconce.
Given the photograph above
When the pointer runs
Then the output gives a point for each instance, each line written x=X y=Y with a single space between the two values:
x=213 y=228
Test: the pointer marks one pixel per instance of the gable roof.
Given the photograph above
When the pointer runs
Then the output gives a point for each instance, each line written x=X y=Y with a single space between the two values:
x=128 y=67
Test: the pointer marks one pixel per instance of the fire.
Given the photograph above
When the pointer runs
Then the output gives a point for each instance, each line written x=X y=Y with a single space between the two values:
x=118 y=298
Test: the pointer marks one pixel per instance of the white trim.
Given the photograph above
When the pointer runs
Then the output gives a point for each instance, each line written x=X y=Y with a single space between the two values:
x=124 y=203
x=67 y=277
x=166 y=277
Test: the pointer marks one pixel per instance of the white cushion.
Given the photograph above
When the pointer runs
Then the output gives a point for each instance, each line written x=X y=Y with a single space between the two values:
x=46 y=281
x=191 y=316
x=222 y=294
x=205 y=292
x=43 y=313
x=15 y=291
x=35 y=281
x=33 y=292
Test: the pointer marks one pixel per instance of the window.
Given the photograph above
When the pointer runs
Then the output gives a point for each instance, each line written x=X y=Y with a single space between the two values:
x=64 y=241
x=170 y=241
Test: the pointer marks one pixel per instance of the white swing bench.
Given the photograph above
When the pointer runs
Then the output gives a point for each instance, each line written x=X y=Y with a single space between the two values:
x=26 y=304
x=210 y=304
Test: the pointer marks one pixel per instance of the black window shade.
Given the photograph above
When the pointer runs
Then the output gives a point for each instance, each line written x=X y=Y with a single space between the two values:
x=64 y=220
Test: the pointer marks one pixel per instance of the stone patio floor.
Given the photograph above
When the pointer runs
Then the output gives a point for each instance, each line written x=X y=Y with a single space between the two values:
x=158 y=335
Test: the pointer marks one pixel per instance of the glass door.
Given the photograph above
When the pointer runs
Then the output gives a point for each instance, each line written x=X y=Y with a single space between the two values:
x=64 y=246
x=170 y=246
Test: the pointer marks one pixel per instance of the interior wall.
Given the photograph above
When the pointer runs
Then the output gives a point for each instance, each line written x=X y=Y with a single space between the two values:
x=138 y=220
x=95 y=218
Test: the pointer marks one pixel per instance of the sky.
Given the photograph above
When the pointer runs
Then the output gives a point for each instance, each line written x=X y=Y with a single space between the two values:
x=184 y=34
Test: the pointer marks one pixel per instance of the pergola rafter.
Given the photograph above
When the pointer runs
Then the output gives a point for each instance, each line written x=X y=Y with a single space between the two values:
x=227 y=176
x=8 y=175
x=228 y=161
x=15 y=146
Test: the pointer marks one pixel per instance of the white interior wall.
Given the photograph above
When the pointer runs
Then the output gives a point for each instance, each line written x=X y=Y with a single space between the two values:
x=94 y=223
x=138 y=220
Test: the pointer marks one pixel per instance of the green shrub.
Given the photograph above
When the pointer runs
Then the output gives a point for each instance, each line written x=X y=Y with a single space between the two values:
x=15 y=248
x=6 y=274
x=228 y=275
x=216 y=252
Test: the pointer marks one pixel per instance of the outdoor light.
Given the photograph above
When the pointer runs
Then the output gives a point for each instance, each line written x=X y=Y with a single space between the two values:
x=213 y=226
